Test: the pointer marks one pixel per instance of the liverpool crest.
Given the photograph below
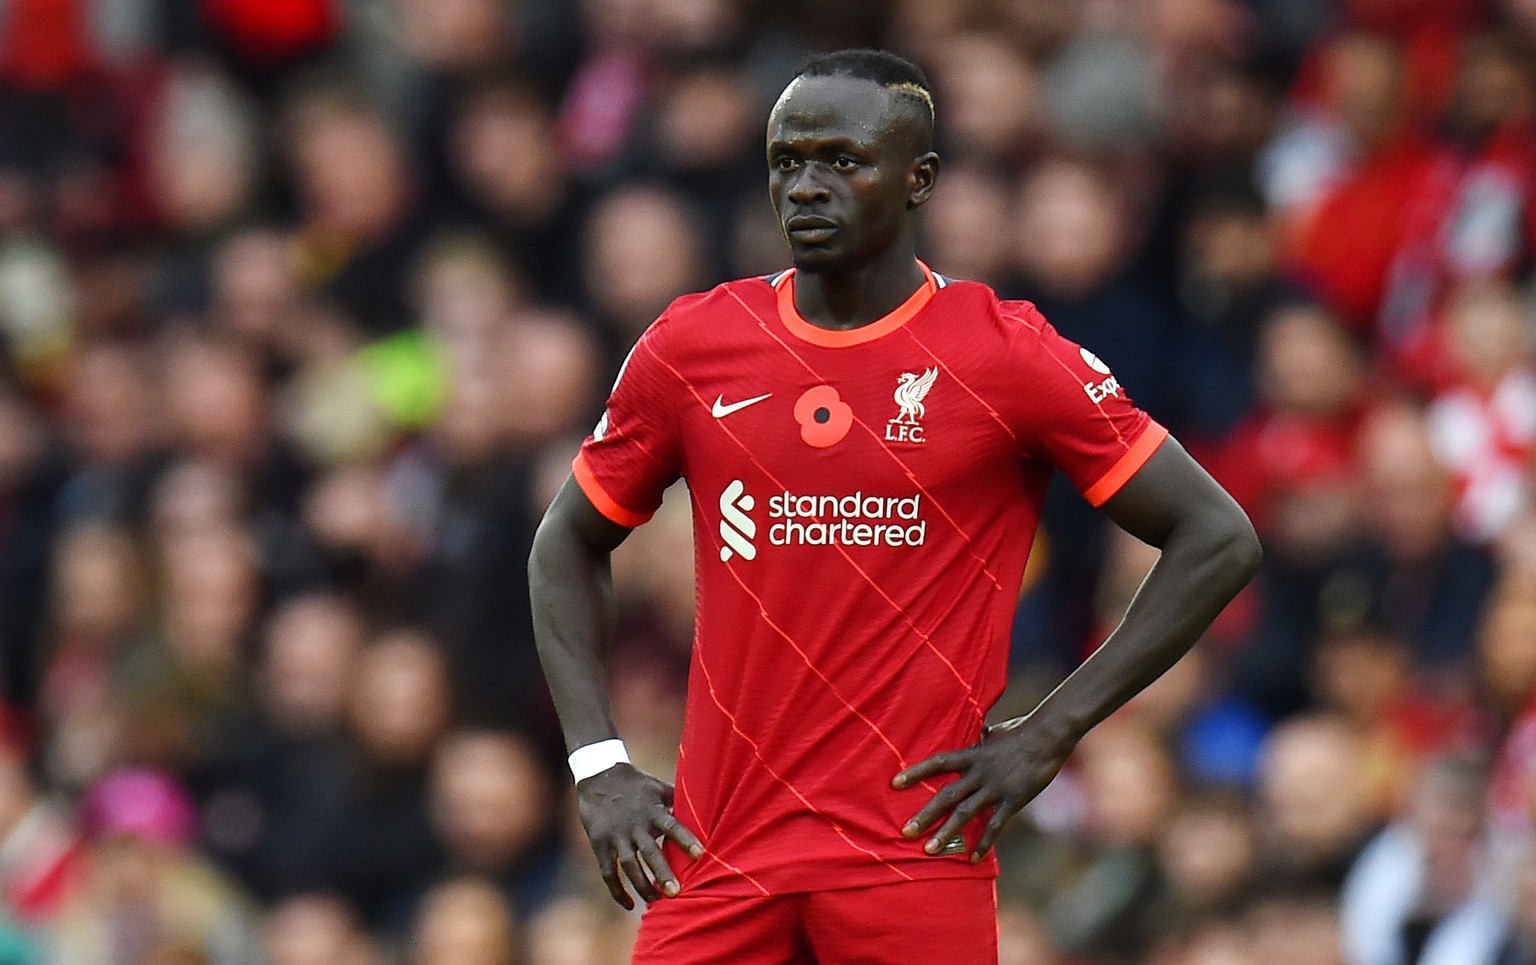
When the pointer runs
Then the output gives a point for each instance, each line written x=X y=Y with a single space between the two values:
x=911 y=389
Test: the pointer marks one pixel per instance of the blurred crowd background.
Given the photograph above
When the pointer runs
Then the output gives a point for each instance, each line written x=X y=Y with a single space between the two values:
x=306 y=304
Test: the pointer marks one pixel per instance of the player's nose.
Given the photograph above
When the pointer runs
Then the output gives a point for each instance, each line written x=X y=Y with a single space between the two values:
x=808 y=187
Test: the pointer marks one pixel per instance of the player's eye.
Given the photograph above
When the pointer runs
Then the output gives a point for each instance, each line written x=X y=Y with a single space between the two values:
x=844 y=163
x=784 y=163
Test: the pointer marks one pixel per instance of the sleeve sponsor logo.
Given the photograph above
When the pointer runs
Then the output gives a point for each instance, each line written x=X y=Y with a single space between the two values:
x=1099 y=391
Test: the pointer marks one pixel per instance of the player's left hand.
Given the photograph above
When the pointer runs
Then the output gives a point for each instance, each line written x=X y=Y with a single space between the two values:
x=1012 y=763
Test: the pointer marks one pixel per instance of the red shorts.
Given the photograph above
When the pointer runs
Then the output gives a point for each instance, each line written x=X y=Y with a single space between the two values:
x=918 y=922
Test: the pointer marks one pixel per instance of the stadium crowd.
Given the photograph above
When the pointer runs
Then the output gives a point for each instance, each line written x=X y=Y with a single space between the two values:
x=306 y=304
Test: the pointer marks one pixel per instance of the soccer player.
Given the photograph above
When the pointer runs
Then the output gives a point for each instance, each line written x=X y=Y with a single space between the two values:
x=866 y=445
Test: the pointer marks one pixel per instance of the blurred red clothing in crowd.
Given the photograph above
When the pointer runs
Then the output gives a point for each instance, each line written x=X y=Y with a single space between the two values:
x=274 y=30
x=46 y=44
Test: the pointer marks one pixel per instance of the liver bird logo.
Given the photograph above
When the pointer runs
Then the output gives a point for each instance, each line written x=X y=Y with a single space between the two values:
x=910 y=390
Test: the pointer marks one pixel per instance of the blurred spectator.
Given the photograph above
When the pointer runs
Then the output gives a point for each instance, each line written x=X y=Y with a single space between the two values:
x=491 y=808
x=1484 y=425
x=1313 y=810
x=40 y=853
x=573 y=931
x=1289 y=464
x=969 y=234
x=1365 y=673
x=204 y=156
x=1301 y=928
x=144 y=892
x=269 y=805
x=991 y=92
x=706 y=143
x=465 y=494
x=1071 y=241
x=1111 y=910
x=465 y=921
x=1228 y=283
x=1427 y=582
x=506 y=164
x=253 y=289
x=219 y=411
x=98 y=614
x=643 y=246
x=1342 y=174
x=114 y=426
x=379 y=836
x=183 y=688
x=1208 y=856
x=1419 y=893
x=315 y=929
x=362 y=205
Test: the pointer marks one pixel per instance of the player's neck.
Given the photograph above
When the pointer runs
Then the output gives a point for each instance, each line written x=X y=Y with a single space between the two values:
x=858 y=296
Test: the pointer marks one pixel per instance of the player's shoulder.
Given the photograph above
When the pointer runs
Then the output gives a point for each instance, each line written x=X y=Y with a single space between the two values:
x=1011 y=318
x=735 y=300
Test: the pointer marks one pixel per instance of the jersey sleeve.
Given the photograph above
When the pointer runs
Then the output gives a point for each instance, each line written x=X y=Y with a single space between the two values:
x=1078 y=416
x=634 y=453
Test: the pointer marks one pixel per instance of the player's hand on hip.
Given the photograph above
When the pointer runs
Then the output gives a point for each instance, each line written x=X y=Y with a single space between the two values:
x=626 y=812
x=1012 y=763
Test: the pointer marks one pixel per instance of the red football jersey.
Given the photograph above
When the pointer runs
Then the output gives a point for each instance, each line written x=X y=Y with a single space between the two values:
x=863 y=505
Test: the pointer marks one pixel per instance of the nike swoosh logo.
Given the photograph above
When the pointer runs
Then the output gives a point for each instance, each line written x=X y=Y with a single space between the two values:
x=720 y=410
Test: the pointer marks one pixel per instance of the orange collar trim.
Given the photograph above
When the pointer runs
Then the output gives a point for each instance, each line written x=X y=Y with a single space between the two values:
x=845 y=337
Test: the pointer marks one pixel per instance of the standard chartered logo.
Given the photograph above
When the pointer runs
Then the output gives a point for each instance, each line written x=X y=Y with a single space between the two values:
x=736 y=527
x=854 y=519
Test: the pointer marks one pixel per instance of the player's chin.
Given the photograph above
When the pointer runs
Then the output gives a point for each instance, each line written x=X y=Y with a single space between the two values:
x=818 y=258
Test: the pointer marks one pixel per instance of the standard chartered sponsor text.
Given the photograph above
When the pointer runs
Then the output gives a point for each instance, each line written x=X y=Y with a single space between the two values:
x=851 y=520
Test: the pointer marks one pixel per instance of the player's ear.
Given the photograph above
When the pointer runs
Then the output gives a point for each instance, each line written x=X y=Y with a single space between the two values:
x=925 y=173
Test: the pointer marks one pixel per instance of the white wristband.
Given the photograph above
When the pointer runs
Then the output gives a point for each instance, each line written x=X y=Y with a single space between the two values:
x=591 y=759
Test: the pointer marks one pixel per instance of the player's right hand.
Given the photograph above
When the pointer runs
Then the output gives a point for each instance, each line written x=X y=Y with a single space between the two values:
x=626 y=812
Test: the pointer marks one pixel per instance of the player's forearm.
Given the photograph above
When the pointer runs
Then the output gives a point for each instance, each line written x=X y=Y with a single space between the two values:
x=571 y=584
x=1204 y=563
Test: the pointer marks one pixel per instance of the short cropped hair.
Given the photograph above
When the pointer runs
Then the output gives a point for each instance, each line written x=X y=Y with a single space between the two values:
x=881 y=66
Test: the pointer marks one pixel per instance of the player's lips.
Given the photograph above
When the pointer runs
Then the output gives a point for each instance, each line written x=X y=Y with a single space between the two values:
x=810 y=228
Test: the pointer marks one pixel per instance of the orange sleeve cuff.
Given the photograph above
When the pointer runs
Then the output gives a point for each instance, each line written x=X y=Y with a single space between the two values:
x=599 y=497
x=1121 y=472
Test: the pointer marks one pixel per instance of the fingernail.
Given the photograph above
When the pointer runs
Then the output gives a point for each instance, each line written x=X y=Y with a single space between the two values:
x=670 y=888
x=932 y=846
x=909 y=830
x=696 y=852
x=898 y=782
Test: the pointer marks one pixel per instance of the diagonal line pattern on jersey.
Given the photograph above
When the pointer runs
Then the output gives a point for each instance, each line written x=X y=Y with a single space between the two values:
x=962 y=383
x=970 y=693
x=714 y=695
x=762 y=612
x=682 y=792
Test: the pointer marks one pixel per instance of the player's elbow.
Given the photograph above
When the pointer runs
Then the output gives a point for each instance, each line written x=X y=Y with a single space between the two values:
x=1241 y=550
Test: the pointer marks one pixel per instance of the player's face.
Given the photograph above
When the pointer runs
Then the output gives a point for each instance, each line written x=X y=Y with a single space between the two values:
x=845 y=167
